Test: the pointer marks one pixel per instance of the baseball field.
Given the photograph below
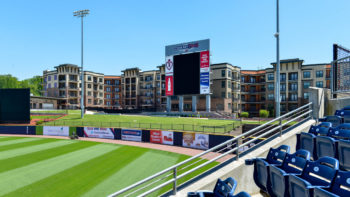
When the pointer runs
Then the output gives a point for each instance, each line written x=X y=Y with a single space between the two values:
x=58 y=167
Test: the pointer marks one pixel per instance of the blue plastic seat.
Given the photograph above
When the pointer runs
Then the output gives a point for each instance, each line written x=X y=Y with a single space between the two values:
x=340 y=186
x=343 y=112
x=340 y=132
x=346 y=119
x=335 y=120
x=344 y=154
x=321 y=129
x=292 y=164
x=222 y=188
x=306 y=141
x=325 y=146
x=261 y=165
x=316 y=173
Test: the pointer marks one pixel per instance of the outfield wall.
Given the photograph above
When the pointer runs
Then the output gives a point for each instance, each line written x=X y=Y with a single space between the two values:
x=194 y=140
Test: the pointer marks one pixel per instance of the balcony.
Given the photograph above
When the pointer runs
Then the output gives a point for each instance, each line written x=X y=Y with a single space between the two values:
x=73 y=88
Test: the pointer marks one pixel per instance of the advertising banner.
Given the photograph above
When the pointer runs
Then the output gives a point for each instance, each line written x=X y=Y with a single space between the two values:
x=168 y=137
x=169 y=85
x=204 y=62
x=169 y=63
x=132 y=135
x=106 y=133
x=187 y=47
x=156 y=136
x=56 y=131
x=162 y=137
x=204 y=73
x=196 y=140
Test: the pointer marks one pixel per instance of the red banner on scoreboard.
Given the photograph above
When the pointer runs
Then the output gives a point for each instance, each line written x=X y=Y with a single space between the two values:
x=169 y=86
x=204 y=62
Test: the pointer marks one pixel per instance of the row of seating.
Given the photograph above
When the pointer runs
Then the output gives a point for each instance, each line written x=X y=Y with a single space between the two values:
x=283 y=174
x=340 y=116
x=224 y=188
x=323 y=140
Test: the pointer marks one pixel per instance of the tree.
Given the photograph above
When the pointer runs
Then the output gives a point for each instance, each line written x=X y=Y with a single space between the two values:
x=35 y=83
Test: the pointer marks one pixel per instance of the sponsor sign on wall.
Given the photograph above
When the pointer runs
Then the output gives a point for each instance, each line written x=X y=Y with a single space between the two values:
x=106 y=133
x=188 y=47
x=204 y=73
x=196 y=140
x=169 y=73
x=56 y=131
x=132 y=135
x=162 y=137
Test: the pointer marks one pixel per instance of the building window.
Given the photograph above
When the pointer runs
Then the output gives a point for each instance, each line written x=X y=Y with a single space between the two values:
x=117 y=89
x=89 y=78
x=229 y=73
x=117 y=82
x=270 y=86
x=293 y=86
x=270 y=97
x=116 y=96
x=55 y=84
x=223 y=95
x=108 y=89
x=89 y=85
x=229 y=95
x=283 y=76
x=101 y=88
x=158 y=77
x=49 y=86
x=108 y=82
x=270 y=76
x=283 y=97
x=108 y=103
x=306 y=95
x=223 y=73
x=293 y=97
x=101 y=95
x=319 y=73
x=223 y=84
x=49 y=78
x=89 y=101
x=100 y=80
x=89 y=93
x=283 y=87
x=55 y=77
x=306 y=84
x=319 y=84
x=229 y=84
x=293 y=76
x=307 y=74
x=108 y=96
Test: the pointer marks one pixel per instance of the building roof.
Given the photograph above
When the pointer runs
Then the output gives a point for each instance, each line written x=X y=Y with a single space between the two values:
x=62 y=65
x=288 y=61
x=219 y=64
x=111 y=77
x=253 y=72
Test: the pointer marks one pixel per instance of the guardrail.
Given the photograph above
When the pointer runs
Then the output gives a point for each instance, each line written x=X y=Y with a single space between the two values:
x=236 y=145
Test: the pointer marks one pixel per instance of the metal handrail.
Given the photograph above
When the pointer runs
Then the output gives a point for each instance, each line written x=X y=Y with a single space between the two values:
x=306 y=108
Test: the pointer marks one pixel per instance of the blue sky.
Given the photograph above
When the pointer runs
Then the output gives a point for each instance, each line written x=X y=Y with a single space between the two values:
x=37 y=35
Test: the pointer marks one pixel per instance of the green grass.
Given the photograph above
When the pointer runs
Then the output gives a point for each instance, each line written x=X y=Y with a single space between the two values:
x=148 y=122
x=54 y=167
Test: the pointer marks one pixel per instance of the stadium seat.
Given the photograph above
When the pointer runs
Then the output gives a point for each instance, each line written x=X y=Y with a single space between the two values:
x=224 y=188
x=261 y=165
x=292 y=164
x=343 y=112
x=346 y=119
x=321 y=129
x=318 y=173
x=335 y=120
x=344 y=154
x=325 y=146
x=340 y=186
x=306 y=141
x=340 y=132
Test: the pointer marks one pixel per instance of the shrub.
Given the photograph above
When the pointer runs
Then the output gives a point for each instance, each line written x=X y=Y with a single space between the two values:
x=244 y=114
x=263 y=113
x=39 y=122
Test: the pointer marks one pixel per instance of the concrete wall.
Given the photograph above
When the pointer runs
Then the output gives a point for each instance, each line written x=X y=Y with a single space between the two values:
x=335 y=104
x=242 y=173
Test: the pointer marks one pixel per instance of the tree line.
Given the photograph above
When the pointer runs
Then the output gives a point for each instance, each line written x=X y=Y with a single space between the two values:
x=34 y=83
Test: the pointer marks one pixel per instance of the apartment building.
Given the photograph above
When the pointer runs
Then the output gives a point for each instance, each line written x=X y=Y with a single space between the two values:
x=253 y=91
x=64 y=83
x=296 y=78
x=113 y=96
x=225 y=88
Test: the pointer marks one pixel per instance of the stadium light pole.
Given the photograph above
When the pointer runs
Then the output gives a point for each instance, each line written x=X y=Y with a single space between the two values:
x=82 y=14
x=277 y=86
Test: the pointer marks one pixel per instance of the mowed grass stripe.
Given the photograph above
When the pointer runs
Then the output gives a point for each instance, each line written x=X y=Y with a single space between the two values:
x=149 y=163
x=35 y=148
x=25 y=143
x=23 y=160
x=18 y=140
x=21 y=177
x=81 y=178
